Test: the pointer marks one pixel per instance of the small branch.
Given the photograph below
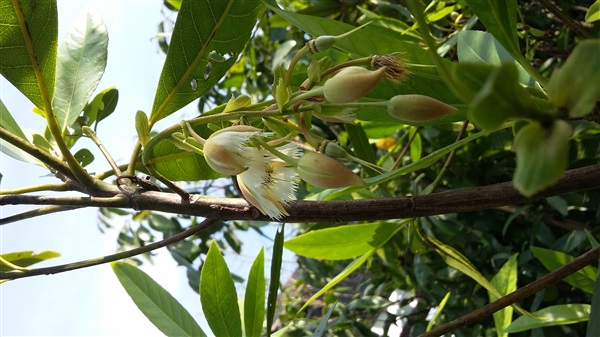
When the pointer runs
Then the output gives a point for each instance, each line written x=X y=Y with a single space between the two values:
x=38 y=188
x=439 y=177
x=566 y=19
x=90 y=133
x=110 y=258
x=447 y=202
x=521 y=293
x=36 y=212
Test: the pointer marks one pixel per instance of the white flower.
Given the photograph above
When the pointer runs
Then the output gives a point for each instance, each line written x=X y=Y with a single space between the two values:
x=265 y=181
x=269 y=183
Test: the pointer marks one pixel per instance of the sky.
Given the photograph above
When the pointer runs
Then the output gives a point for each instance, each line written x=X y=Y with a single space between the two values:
x=90 y=301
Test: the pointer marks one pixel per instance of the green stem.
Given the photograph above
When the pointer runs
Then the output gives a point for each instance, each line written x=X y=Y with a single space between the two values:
x=12 y=265
x=567 y=20
x=90 y=133
x=37 y=188
x=288 y=75
x=37 y=212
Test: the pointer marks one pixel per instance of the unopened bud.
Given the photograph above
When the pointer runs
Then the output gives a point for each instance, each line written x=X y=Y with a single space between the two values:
x=325 y=42
x=351 y=83
x=418 y=108
x=320 y=170
x=223 y=149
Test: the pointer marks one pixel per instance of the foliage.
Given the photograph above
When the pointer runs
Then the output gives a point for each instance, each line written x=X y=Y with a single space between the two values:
x=332 y=104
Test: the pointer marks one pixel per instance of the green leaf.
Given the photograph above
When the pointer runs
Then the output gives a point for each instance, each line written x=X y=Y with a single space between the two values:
x=9 y=124
x=500 y=98
x=542 y=156
x=481 y=47
x=583 y=279
x=362 y=146
x=554 y=315
x=506 y=282
x=569 y=88
x=102 y=106
x=81 y=62
x=500 y=18
x=203 y=28
x=593 y=13
x=343 y=242
x=254 y=300
x=26 y=258
x=141 y=126
x=341 y=276
x=218 y=295
x=177 y=165
x=84 y=157
x=30 y=30
x=276 y=262
x=160 y=307
x=323 y=324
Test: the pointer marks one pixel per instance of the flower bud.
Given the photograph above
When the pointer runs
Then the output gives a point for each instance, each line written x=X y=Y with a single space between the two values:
x=323 y=171
x=351 y=83
x=325 y=42
x=418 y=108
x=224 y=149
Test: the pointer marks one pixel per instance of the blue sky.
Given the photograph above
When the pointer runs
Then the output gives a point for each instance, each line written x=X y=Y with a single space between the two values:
x=91 y=301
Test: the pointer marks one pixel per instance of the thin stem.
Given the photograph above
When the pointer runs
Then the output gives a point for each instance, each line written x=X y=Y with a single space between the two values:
x=90 y=133
x=439 y=177
x=110 y=258
x=519 y=294
x=567 y=20
x=37 y=212
x=403 y=152
x=12 y=265
x=38 y=188
x=303 y=51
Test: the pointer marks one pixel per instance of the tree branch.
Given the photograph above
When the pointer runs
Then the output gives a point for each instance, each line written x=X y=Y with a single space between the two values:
x=454 y=201
x=109 y=258
x=519 y=294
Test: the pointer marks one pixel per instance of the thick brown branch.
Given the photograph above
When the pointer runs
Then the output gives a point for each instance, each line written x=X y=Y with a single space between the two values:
x=454 y=201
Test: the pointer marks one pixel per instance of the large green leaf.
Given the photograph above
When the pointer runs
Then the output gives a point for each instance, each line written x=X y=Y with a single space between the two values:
x=506 y=282
x=254 y=300
x=482 y=47
x=161 y=308
x=28 y=42
x=206 y=41
x=583 y=279
x=80 y=66
x=25 y=258
x=218 y=295
x=555 y=315
x=343 y=242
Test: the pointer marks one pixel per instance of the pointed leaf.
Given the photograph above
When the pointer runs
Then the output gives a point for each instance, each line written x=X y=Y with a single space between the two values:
x=323 y=325
x=204 y=30
x=26 y=258
x=81 y=62
x=276 y=262
x=28 y=40
x=103 y=104
x=141 y=126
x=254 y=300
x=555 y=315
x=178 y=165
x=500 y=18
x=343 y=242
x=218 y=295
x=160 y=307
x=506 y=282
x=583 y=279
x=593 y=13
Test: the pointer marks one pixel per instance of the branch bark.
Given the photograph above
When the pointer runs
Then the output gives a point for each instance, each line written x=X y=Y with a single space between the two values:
x=454 y=201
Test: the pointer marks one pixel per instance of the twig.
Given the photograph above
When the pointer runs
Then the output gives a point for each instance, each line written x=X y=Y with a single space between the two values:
x=90 y=133
x=452 y=201
x=109 y=258
x=566 y=19
x=439 y=177
x=521 y=293
x=36 y=212
x=38 y=188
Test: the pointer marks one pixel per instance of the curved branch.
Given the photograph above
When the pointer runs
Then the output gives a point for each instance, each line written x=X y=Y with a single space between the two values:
x=453 y=201
x=37 y=212
x=519 y=294
x=109 y=258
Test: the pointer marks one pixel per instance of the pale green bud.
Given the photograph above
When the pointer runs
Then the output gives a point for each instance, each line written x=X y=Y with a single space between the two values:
x=418 y=108
x=224 y=150
x=351 y=83
x=320 y=170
